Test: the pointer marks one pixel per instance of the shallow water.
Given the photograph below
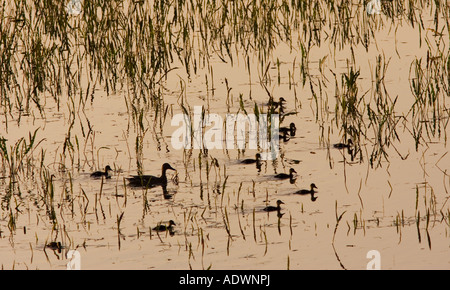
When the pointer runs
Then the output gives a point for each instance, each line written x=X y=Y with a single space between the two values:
x=399 y=208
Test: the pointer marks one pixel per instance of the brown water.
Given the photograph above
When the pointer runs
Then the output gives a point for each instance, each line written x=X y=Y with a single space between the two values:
x=219 y=218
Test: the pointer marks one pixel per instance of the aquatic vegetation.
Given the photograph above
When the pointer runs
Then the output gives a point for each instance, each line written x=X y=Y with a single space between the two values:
x=80 y=91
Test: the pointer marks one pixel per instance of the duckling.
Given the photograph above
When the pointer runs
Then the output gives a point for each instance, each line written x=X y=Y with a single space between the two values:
x=274 y=208
x=307 y=191
x=343 y=145
x=55 y=246
x=274 y=104
x=163 y=228
x=292 y=174
x=291 y=129
x=150 y=180
x=251 y=161
x=98 y=174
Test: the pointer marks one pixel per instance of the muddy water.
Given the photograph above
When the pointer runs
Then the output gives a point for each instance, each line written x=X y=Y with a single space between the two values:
x=217 y=203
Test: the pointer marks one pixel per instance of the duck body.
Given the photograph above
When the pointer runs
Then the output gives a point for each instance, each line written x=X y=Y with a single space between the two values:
x=163 y=228
x=99 y=174
x=308 y=191
x=344 y=145
x=291 y=130
x=252 y=161
x=150 y=180
x=274 y=208
x=291 y=175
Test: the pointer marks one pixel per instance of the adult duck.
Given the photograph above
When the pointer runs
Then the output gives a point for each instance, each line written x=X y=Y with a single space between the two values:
x=274 y=208
x=150 y=180
x=99 y=174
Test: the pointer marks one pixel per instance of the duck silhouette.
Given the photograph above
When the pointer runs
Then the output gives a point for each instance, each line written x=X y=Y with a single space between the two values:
x=252 y=161
x=291 y=129
x=274 y=208
x=344 y=145
x=292 y=176
x=308 y=191
x=98 y=174
x=150 y=180
x=162 y=228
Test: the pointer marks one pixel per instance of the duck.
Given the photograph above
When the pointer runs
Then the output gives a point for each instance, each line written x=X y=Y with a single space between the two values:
x=150 y=180
x=55 y=246
x=98 y=174
x=252 y=161
x=343 y=145
x=274 y=208
x=163 y=228
x=291 y=129
x=275 y=105
x=280 y=102
x=308 y=191
x=291 y=174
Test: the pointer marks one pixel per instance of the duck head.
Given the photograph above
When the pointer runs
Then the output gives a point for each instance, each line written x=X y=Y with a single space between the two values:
x=166 y=166
x=279 y=202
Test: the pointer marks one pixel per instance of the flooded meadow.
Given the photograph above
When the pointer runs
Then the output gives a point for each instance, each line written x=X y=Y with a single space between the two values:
x=362 y=172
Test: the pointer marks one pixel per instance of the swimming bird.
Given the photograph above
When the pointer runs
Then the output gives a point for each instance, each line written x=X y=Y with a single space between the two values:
x=98 y=174
x=291 y=129
x=251 y=161
x=274 y=105
x=55 y=246
x=163 y=228
x=291 y=175
x=280 y=102
x=274 y=208
x=150 y=180
x=307 y=191
x=343 y=145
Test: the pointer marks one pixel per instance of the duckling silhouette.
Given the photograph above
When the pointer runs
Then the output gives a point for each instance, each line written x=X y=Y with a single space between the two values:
x=308 y=191
x=98 y=174
x=343 y=145
x=291 y=129
x=150 y=180
x=274 y=208
x=276 y=105
x=291 y=176
x=55 y=246
x=162 y=228
x=252 y=161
